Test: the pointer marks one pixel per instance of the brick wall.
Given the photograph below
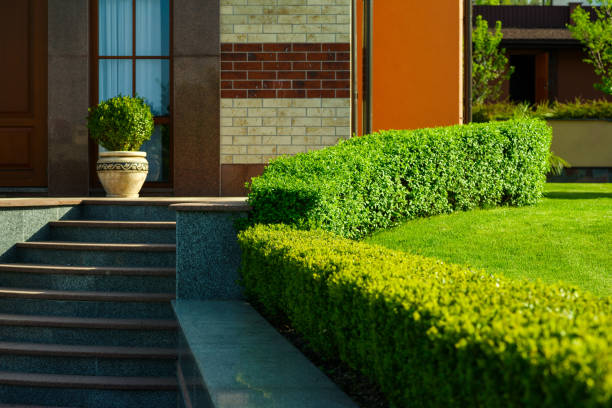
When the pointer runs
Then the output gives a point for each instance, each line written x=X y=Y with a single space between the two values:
x=285 y=77
x=257 y=130
x=285 y=21
x=289 y=70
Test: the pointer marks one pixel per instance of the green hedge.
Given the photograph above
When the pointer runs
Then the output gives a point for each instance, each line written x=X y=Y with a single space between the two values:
x=372 y=182
x=434 y=334
x=577 y=110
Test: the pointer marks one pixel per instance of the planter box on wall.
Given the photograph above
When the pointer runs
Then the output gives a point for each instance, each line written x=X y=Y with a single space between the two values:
x=583 y=143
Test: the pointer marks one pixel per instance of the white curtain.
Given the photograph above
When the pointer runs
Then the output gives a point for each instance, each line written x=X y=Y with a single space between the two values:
x=152 y=28
x=115 y=27
x=114 y=78
x=152 y=84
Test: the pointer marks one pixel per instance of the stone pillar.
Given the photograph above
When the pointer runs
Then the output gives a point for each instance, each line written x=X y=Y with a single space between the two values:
x=68 y=97
x=196 y=97
x=207 y=251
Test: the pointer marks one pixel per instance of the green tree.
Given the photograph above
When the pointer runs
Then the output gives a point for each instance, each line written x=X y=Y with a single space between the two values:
x=489 y=62
x=596 y=37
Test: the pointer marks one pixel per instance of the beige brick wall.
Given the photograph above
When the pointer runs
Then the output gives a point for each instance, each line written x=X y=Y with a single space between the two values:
x=280 y=21
x=258 y=130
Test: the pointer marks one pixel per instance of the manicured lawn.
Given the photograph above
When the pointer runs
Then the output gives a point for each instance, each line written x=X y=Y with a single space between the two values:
x=566 y=237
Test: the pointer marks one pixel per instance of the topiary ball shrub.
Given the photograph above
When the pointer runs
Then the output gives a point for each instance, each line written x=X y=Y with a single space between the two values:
x=122 y=123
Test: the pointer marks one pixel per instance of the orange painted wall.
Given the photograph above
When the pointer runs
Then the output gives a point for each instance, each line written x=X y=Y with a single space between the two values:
x=418 y=58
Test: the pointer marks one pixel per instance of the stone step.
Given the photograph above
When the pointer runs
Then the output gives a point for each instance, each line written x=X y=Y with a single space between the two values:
x=114 y=224
x=89 y=309
x=57 y=277
x=87 y=351
x=87 y=323
x=88 y=331
x=27 y=406
x=93 y=246
x=86 y=381
x=126 y=210
x=88 y=398
x=163 y=232
x=87 y=360
x=97 y=254
x=86 y=270
x=84 y=295
x=86 y=303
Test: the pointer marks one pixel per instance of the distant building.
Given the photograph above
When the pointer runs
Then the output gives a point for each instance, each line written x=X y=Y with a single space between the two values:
x=548 y=61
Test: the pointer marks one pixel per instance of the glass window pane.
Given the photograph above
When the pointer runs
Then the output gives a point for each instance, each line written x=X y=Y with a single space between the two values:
x=114 y=78
x=152 y=84
x=158 y=154
x=152 y=28
x=115 y=27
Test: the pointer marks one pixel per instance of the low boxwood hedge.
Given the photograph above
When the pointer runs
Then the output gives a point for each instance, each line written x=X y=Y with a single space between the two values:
x=434 y=334
x=577 y=110
x=372 y=182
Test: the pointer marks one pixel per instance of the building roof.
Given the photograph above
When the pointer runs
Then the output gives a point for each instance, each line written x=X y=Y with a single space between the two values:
x=551 y=34
x=538 y=38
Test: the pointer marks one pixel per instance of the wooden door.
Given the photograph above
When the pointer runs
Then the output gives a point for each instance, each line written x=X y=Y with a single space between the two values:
x=23 y=93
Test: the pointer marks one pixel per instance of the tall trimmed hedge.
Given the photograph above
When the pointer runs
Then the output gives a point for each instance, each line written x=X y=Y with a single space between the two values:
x=375 y=181
x=434 y=334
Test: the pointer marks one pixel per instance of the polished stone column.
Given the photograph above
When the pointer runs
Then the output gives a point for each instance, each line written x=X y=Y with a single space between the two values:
x=68 y=97
x=196 y=98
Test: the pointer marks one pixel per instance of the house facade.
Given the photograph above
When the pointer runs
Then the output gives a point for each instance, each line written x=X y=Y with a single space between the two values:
x=232 y=84
x=548 y=61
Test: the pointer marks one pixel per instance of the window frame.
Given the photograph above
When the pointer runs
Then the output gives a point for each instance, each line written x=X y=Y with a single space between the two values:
x=168 y=120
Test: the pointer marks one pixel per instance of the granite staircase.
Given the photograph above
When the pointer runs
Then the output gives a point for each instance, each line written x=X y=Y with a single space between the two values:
x=85 y=315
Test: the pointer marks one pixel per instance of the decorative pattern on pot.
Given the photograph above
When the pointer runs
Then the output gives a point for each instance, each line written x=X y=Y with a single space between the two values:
x=122 y=174
x=127 y=166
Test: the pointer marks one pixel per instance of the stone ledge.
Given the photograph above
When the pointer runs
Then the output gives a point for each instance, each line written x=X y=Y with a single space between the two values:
x=231 y=204
x=244 y=362
x=38 y=202
x=207 y=203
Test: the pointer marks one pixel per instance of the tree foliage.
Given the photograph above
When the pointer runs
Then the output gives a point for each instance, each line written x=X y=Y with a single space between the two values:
x=596 y=37
x=489 y=62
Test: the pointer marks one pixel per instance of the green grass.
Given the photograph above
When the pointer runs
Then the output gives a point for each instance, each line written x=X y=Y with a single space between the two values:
x=566 y=237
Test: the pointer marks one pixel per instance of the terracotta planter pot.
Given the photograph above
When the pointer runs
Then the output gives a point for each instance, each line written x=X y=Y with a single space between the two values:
x=122 y=174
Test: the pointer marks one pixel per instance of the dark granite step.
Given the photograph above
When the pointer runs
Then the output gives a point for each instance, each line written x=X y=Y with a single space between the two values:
x=88 y=331
x=87 y=360
x=97 y=254
x=22 y=293
x=87 y=351
x=163 y=232
x=89 y=382
x=89 y=278
x=87 y=323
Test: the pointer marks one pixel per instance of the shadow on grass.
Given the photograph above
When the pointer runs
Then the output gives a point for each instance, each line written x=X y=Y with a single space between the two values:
x=562 y=195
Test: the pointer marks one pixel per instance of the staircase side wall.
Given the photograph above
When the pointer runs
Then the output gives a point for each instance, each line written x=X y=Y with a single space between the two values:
x=19 y=224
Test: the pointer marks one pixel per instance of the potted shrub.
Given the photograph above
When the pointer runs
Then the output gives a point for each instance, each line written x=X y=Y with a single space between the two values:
x=121 y=125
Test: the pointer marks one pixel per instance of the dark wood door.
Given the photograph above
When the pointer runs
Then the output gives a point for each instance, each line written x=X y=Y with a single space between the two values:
x=23 y=93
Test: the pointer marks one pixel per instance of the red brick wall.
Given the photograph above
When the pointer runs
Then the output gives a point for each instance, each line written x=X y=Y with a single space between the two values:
x=288 y=70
